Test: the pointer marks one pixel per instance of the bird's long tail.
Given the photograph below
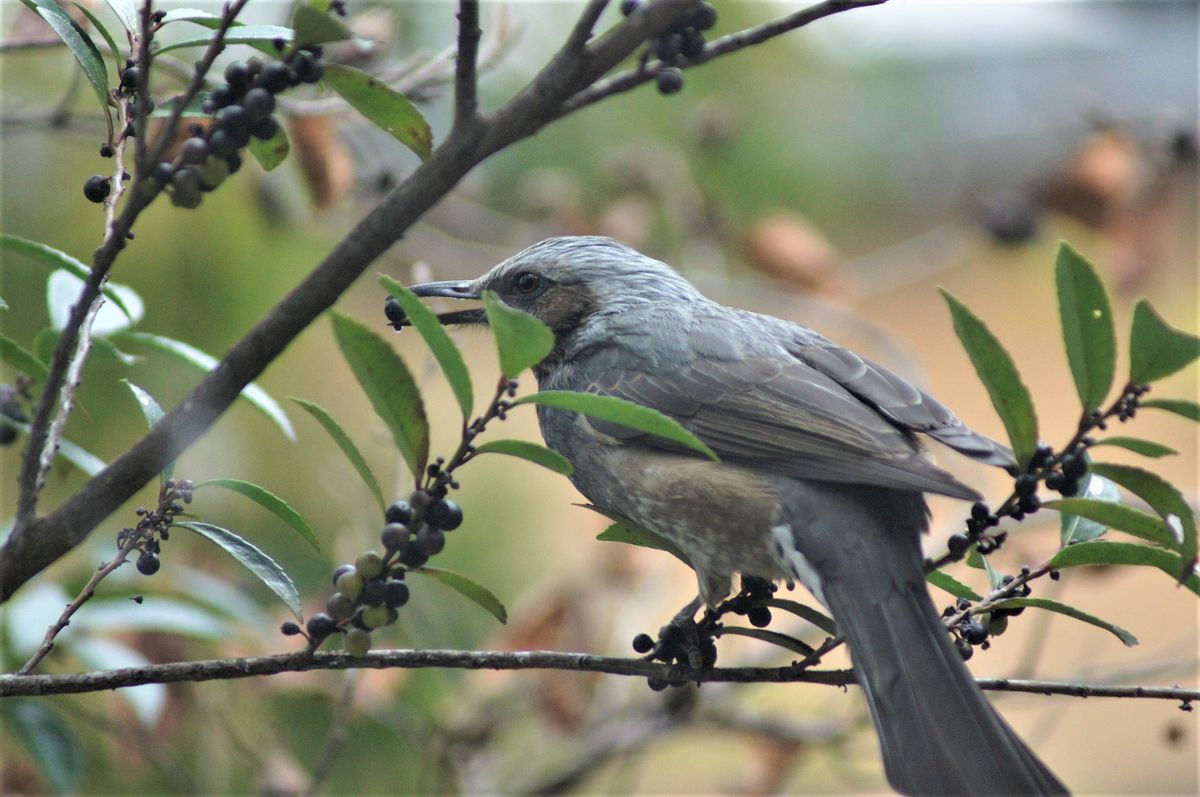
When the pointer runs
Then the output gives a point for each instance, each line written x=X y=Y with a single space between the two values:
x=938 y=733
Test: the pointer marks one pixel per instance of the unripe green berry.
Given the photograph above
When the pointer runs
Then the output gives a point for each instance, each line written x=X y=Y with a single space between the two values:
x=358 y=642
x=351 y=584
x=369 y=564
x=375 y=616
x=339 y=607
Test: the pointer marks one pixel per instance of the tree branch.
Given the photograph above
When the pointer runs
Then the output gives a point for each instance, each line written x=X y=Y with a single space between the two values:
x=586 y=25
x=466 y=78
x=229 y=669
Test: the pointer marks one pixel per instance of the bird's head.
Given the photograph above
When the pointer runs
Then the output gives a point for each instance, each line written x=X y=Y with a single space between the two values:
x=564 y=282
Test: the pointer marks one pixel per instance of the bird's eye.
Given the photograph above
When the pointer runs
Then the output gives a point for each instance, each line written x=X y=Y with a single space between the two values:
x=527 y=282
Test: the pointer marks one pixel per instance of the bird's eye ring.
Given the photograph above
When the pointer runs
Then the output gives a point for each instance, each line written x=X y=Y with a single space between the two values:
x=527 y=282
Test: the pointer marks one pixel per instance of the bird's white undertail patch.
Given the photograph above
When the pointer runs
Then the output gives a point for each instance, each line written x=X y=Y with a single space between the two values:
x=785 y=545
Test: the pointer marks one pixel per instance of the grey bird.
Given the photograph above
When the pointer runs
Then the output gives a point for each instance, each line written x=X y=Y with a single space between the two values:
x=821 y=479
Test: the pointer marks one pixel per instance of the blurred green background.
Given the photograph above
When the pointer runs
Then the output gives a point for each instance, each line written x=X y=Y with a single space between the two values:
x=833 y=176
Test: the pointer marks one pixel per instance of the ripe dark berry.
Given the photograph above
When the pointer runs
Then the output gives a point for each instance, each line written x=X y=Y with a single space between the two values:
x=759 y=616
x=642 y=643
x=1043 y=454
x=668 y=47
x=703 y=17
x=148 y=563
x=957 y=545
x=395 y=593
x=96 y=188
x=162 y=173
x=289 y=629
x=194 y=150
x=264 y=129
x=131 y=77
x=669 y=80
x=339 y=606
x=418 y=500
x=396 y=317
x=430 y=540
x=445 y=515
x=373 y=593
x=693 y=44
x=413 y=556
x=964 y=649
x=980 y=511
x=629 y=6
x=307 y=68
x=222 y=144
x=398 y=512
x=234 y=120
x=259 y=104
x=234 y=162
x=106 y=151
x=1026 y=484
x=1074 y=466
x=342 y=570
x=1055 y=575
x=320 y=625
x=237 y=75
x=974 y=632
x=275 y=77
x=1054 y=480
x=185 y=189
x=395 y=536
x=657 y=684
x=1030 y=504
x=220 y=97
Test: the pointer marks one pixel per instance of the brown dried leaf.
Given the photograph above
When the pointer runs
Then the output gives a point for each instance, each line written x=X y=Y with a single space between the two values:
x=324 y=160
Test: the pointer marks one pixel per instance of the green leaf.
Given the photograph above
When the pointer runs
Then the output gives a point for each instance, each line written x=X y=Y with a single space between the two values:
x=1102 y=552
x=633 y=534
x=772 y=637
x=1087 y=325
x=949 y=583
x=81 y=46
x=464 y=586
x=53 y=258
x=205 y=18
x=314 y=27
x=450 y=359
x=1163 y=497
x=995 y=577
x=1120 y=517
x=254 y=560
x=532 y=452
x=390 y=387
x=50 y=742
x=1073 y=528
x=22 y=360
x=384 y=107
x=1156 y=349
x=103 y=31
x=349 y=450
x=194 y=108
x=268 y=501
x=1070 y=611
x=521 y=340
x=272 y=152
x=820 y=620
x=190 y=355
x=1188 y=409
x=1147 y=448
x=618 y=410
x=153 y=414
x=127 y=12
x=974 y=558
x=999 y=375
x=260 y=36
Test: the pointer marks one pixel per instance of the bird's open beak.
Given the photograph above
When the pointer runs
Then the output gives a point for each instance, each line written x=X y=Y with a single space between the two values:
x=450 y=289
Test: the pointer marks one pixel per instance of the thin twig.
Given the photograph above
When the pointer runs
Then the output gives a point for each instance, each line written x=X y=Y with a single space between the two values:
x=586 y=25
x=466 y=89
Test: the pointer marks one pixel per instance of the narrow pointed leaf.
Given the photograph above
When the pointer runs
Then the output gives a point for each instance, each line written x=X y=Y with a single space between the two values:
x=53 y=258
x=949 y=583
x=819 y=619
x=1147 y=448
x=261 y=36
x=126 y=11
x=1087 y=326
x=1119 y=517
x=268 y=501
x=349 y=450
x=634 y=534
x=1162 y=496
x=1074 y=528
x=314 y=27
x=22 y=360
x=104 y=34
x=50 y=742
x=190 y=355
x=450 y=359
x=531 y=452
x=1101 y=552
x=383 y=106
x=389 y=386
x=999 y=375
x=153 y=413
x=1188 y=409
x=81 y=46
x=620 y=411
x=272 y=152
x=995 y=577
x=1070 y=611
x=464 y=586
x=264 y=567
x=1156 y=349
x=771 y=637
x=521 y=340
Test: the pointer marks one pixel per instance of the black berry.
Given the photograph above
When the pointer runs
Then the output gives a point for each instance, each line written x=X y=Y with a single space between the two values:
x=395 y=536
x=234 y=162
x=668 y=47
x=964 y=649
x=289 y=629
x=693 y=44
x=320 y=625
x=106 y=151
x=264 y=129
x=96 y=188
x=669 y=80
x=413 y=556
x=398 y=512
x=642 y=643
x=373 y=593
x=957 y=545
x=237 y=75
x=759 y=616
x=339 y=606
x=131 y=77
x=148 y=563
x=445 y=515
x=275 y=77
x=430 y=540
x=308 y=69
x=974 y=632
x=629 y=6
x=703 y=17
x=259 y=104
x=194 y=150
x=396 y=318
x=395 y=594
x=1026 y=484
x=222 y=144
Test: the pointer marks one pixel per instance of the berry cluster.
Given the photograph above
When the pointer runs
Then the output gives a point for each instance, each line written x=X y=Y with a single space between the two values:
x=11 y=408
x=370 y=591
x=684 y=41
x=155 y=525
x=973 y=631
x=243 y=108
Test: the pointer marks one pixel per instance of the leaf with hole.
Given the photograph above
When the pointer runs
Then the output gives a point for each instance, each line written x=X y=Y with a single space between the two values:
x=1156 y=349
x=262 y=566
x=470 y=590
x=450 y=359
x=390 y=387
x=268 y=501
x=530 y=452
x=999 y=375
x=349 y=450
x=1070 y=611
x=522 y=341
x=386 y=108
x=619 y=411
x=1087 y=326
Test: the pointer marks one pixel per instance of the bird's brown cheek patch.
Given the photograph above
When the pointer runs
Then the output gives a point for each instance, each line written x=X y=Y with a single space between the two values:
x=566 y=307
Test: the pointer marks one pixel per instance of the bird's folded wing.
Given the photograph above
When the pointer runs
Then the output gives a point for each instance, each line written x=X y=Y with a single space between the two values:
x=776 y=414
